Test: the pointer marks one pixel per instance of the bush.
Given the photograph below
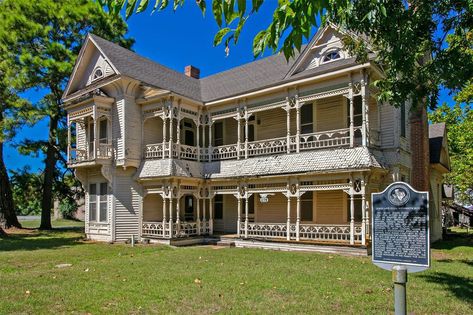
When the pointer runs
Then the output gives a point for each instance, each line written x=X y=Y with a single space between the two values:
x=68 y=208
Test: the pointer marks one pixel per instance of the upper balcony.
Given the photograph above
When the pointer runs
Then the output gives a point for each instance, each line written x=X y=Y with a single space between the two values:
x=281 y=128
x=89 y=132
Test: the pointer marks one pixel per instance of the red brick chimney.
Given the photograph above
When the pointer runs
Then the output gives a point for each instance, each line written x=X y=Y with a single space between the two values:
x=192 y=71
x=420 y=148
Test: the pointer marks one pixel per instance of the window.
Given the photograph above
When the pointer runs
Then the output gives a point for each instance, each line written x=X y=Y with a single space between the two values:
x=307 y=206
x=358 y=208
x=357 y=114
x=103 y=128
x=331 y=56
x=218 y=207
x=218 y=134
x=189 y=208
x=403 y=120
x=307 y=119
x=97 y=74
x=98 y=200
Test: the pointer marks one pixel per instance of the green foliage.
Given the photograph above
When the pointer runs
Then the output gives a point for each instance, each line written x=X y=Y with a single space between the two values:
x=459 y=122
x=68 y=208
x=421 y=45
x=26 y=188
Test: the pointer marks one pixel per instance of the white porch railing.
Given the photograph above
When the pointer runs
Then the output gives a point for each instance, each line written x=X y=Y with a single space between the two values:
x=104 y=151
x=225 y=152
x=154 y=151
x=184 y=229
x=316 y=232
x=188 y=152
x=265 y=147
x=325 y=139
x=152 y=229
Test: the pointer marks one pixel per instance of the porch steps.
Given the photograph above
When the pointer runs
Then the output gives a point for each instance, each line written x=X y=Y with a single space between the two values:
x=319 y=248
x=226 y=243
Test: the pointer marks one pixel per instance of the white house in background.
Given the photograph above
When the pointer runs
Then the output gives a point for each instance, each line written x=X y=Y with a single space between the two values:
x=267 y=150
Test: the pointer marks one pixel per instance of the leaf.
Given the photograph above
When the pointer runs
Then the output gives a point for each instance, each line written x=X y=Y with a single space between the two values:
x=142 y=6
x=217 y=11
x=130 y=7
x=220 y=34
x=241 y=7
x=202 y=6
x=258 y=43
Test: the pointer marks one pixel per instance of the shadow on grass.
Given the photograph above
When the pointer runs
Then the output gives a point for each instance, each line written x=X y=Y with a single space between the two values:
x=452 y=240
x=52 y=239
x=461 y=287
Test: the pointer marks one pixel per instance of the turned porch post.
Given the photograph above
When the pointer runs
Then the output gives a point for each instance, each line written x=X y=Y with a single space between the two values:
x=198 y=141
x=164 y=135
x=170 y=217
x=352 y=216
x=96 y=137
x=171 y=123
x=298 y=217
x=246 y=215
x=198 y=215
x=288 y=227
x=288 y=124
x=239 y=136
x=164 y=216
x=178 y=220
x=211 y=216
x=246 y=134
x=364 y=128
x=68 y=140
x=178 y=134
x=298 y=125
x=210 y=141
x=204 y=217
x=352 y=121
x=239 y=216
x=363 y=214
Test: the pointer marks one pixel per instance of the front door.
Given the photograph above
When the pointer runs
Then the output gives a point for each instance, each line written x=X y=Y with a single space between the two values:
x=189 y=208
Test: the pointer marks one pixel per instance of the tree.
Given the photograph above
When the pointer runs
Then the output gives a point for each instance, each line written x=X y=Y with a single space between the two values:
x=459 y=122
x=421 y=45
x=45 y=38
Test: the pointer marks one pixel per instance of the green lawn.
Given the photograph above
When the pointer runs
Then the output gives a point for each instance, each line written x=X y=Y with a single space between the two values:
x=55 y=223
x=159 y=279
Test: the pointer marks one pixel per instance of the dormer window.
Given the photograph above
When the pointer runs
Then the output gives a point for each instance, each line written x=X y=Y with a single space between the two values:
x=331 y=56
x=97 y=74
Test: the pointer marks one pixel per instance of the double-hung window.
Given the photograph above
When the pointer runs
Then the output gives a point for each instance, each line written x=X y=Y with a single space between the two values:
x=307 y=119
x=98 y=200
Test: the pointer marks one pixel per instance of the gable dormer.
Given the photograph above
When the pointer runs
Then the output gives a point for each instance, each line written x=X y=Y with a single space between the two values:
x=92 y=65
x=326 y=47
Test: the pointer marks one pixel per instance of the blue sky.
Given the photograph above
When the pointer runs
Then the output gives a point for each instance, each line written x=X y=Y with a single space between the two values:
x=174 y=39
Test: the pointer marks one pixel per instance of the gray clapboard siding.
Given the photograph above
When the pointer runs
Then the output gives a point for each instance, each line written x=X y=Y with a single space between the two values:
x=330 y=113
x=153 y=208
x=388 y=123
x=153 y=131
x=330 y=208
x=81 y=139
x=133 y=129
x=127 y=205
x=118 y=128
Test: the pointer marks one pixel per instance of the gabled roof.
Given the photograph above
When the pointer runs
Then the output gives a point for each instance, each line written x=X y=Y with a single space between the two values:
x=253 y=76
x=437 y=142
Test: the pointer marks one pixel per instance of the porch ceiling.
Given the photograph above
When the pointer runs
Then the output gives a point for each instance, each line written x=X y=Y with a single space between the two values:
x=310 y=161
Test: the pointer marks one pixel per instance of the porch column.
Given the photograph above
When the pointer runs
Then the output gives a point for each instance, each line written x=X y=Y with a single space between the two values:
x=210 y=141
x=288 y=228
x=198 y=215
x=198 y=142
x=178 y=220
x=288 y=124
x=363 y=217
x=246 y=135
x=238 y=216
x=164 y=135
x=211 y=216
x=239 y=136
x=171 y=123
x=178 y=136
x=164 y=216
x=298 y=127
x=96 y=138
x=170 y=217
x=204 y=219
x=352 y=121
x=68 y=140
x=352 y=217
x=364 y=126
x=246 y=215
x=298 y=218
x=203 y=138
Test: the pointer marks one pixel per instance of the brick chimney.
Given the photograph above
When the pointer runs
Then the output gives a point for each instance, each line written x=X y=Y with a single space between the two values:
x=420 y=148
x=192 y=71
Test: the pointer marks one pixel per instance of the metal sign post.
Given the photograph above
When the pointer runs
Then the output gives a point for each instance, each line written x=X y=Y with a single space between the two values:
x=401 y=236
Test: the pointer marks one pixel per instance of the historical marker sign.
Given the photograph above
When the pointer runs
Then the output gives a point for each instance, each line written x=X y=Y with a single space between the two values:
x=400 y=224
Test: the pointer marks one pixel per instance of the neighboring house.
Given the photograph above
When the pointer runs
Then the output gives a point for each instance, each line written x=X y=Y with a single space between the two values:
x=269 y=150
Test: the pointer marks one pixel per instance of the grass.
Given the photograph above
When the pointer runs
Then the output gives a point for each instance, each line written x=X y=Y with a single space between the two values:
x=150 y=279
x=60 y=223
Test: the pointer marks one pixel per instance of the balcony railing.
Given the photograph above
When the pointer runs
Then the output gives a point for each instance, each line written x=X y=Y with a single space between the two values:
x=183 y=229
x=310 y=141
x=104 y=152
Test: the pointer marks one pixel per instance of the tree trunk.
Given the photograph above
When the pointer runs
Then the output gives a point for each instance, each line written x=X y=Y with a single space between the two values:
x=2 y=233
x=49 y=170
x=7 y=207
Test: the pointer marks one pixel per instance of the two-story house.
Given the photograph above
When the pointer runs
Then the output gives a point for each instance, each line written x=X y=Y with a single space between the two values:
x=273 y=150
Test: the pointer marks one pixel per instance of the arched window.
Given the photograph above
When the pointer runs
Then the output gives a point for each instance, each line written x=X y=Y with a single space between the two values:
x=97 y=74
x=331 y=56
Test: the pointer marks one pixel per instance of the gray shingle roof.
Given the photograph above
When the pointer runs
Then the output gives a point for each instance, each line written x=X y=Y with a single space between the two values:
x=304 y=162
x=436 y=133
x=249 y=77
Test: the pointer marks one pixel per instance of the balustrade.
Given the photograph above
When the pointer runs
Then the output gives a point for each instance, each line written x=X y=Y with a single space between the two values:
x=104 y=151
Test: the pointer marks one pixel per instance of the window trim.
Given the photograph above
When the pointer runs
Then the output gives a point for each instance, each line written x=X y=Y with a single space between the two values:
x=329 y=52
x=98 y=201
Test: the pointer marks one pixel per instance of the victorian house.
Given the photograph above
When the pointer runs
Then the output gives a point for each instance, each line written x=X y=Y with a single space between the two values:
x=270 y=150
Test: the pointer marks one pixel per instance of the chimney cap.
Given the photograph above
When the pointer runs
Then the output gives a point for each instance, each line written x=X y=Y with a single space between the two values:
x=192 y=72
